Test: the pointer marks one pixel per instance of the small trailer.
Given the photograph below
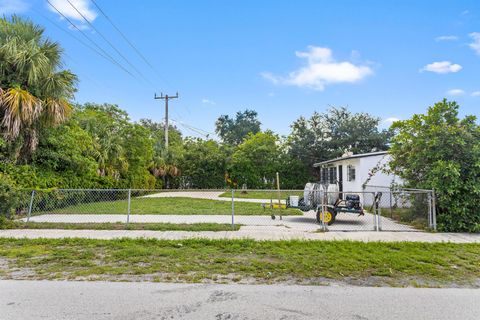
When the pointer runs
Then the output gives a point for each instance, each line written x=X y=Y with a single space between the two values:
x=327 y=202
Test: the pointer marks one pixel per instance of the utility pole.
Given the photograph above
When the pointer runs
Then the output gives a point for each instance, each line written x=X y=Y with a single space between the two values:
x=166 y=98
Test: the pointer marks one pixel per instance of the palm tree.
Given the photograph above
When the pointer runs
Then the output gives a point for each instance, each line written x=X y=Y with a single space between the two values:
x=34 y=91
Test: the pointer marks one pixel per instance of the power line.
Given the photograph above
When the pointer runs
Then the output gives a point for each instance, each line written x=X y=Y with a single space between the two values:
x=192 y=129
x=104 y=54
x=128 y=41
x=70 y=58
x=197 y=130
x=68 y=33
x=108 y=42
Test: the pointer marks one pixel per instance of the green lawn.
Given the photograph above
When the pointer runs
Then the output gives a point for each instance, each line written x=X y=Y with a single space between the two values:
x=245 y=261
x=123 y=226
x=260 y=194
x=181 y=206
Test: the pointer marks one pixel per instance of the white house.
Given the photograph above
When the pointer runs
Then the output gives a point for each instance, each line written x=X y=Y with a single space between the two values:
x=352 y=172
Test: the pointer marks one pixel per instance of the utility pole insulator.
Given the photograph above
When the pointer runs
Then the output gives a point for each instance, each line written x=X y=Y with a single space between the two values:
x=166 y=98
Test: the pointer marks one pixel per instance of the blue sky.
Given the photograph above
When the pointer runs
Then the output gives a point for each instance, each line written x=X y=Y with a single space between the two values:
x=283 y=59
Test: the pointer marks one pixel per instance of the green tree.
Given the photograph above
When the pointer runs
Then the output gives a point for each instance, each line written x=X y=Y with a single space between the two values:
x=307 y=141
x=165 y=165
x=441 y=151
x=138 y=148
x=328 y=135
x=293 y=172
x=105 y=123
x=66 y=154
x=233 y=130
x=203 y=164
x=256 y=160
x=9 y=197
x=34 y=90
x=354 y=132
x=123 y=150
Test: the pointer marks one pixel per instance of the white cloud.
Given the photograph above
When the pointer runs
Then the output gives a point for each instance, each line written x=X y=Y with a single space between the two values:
x=446 y=38
x=269 y=76
x=84 y=6
x=321 y=70
x=475 y=94
x=455 y=92
x=390 y=120
x=475 y=45
x=207 y=101
x=442 y=67
x=12 y=6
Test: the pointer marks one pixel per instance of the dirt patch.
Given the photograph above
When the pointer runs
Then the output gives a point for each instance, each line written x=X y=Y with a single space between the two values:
x=24 y=273
x=20 y=273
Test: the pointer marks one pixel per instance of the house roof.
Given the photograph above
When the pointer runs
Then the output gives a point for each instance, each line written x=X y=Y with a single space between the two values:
x=360 y=155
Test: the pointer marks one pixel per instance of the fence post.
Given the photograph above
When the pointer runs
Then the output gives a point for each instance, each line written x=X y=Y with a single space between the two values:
x=391 y=209
x=30 y=206
x=278 y=195
x=324 y=209
x=376 y=217
x=129 y=202
x=379 y=215
x=233 y=209
x=434 y=211
x=430 y=212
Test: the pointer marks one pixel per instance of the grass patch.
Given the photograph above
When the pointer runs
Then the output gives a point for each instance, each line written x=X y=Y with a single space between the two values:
x=180 y=206
x=260 y=194
x=245 y=261
x=123 y=226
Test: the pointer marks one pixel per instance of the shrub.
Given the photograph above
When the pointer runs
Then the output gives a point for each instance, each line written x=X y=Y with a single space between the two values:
x=437 y=150
x=9 y=196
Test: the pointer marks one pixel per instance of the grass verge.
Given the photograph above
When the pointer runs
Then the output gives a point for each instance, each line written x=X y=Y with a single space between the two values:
x=123 y=226
x=244 y=261
x=180 y=206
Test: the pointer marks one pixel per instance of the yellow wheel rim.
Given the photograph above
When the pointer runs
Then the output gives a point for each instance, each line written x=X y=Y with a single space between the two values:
x=326 y=216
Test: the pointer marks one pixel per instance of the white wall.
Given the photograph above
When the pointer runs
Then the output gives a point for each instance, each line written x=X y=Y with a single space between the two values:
x=354 y=185
x=363 y=166
x=380 y=178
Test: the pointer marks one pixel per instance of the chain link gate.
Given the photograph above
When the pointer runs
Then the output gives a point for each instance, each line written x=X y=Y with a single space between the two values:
x=385 y=210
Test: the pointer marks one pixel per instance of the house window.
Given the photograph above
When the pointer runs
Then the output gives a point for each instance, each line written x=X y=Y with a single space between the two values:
x=350 y=173
x=323 y=175
x=332 y=175
x=328 y=175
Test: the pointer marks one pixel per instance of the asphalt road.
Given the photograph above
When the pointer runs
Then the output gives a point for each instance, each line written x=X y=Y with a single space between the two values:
x=120 y=300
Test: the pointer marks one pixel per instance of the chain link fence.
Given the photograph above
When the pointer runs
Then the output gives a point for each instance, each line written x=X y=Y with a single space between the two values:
x=404 y=209
x=298 y=210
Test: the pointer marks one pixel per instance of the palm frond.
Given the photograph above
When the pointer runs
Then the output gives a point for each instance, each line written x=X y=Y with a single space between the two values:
x=20 y=109
x=59 y=85
x=56 y=111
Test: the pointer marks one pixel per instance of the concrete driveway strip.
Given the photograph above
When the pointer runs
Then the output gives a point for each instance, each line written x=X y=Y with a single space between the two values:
x=255 y=233
x=209 y=195
x=28 y=300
